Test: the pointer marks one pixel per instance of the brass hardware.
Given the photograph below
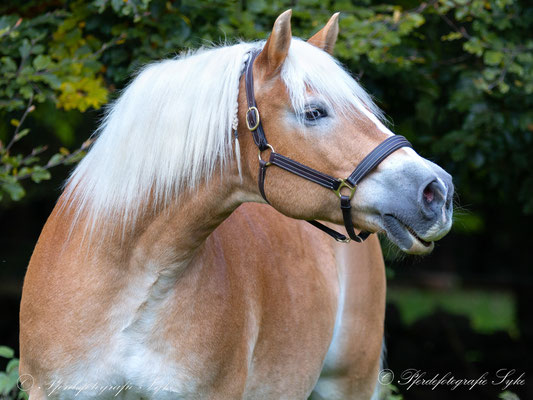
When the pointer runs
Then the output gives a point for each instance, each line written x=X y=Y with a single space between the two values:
x=345 y=184
x=271 y=149
x=257 y=119
x=345 y=240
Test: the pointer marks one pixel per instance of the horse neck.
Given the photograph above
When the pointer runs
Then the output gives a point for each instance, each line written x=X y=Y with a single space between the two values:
x=174 y=235
x=163 y=237
x=132 y=276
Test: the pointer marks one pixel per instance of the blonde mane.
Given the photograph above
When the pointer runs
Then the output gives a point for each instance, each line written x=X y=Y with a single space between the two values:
x=172 y=127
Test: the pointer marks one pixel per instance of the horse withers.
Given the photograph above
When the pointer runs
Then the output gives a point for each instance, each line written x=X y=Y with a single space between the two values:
x=163 y=274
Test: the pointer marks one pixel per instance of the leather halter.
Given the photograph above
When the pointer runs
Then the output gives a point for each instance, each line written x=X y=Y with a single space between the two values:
x=376 y=156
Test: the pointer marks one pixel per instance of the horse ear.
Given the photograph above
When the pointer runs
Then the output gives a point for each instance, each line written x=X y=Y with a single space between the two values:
x=277 y=45
x=326 y=37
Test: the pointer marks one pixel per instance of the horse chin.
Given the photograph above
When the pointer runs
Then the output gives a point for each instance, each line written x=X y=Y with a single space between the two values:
x=419 y=248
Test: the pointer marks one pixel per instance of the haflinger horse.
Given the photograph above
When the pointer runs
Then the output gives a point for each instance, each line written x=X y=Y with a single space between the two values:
x=162 y=272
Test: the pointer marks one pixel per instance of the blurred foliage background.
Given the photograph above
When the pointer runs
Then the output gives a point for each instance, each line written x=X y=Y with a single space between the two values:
x=454 y=76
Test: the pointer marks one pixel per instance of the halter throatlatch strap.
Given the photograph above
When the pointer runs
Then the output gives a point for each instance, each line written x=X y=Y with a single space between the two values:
x=305 y=172
x=338 y=186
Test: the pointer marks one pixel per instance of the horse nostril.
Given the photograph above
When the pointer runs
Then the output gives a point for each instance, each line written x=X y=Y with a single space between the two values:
x=429 y=194
x=433 y=198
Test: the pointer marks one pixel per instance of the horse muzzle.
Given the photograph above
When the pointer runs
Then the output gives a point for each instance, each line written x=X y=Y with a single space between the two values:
x=417 y=207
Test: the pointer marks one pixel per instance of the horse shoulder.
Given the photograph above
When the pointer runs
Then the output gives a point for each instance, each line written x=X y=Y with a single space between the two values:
x=282 y=277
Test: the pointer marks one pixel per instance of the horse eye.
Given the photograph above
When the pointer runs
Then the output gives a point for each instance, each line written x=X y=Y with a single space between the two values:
x=313 y=114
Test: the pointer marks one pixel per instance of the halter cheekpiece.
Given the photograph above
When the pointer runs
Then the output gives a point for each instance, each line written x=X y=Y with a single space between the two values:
x=376 y=156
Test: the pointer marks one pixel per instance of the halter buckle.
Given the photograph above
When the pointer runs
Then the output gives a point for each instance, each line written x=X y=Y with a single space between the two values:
x=271 y=149
x=344 y=183
x=255 y=118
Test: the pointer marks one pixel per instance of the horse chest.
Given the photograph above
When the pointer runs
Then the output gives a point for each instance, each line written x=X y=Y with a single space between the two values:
x=242 y=330
x=129 y=367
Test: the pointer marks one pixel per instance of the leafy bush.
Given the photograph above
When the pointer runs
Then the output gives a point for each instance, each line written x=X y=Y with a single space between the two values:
x=456 y=75
x=9 y=379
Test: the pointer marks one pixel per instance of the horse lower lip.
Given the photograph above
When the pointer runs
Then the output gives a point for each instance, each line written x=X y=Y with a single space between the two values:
x=395 y=224
x=412 y=232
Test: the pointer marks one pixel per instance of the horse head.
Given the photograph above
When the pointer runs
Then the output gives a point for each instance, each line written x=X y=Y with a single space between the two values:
x=313 y=111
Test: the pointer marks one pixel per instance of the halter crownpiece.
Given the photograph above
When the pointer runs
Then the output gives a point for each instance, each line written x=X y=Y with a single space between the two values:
x=376 y=156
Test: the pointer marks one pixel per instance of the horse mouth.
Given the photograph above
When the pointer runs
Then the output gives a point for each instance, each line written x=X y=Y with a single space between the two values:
x=414 y=235
x=405 y=237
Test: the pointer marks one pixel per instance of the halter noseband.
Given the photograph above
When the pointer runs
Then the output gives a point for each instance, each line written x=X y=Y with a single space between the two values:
x=376 y=156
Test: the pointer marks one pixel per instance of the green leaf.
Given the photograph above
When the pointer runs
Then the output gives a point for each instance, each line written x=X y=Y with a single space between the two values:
x=52 y=80
x=26 y=91
x=16 y=192
x=25 y=48
x=56 y=159
x=504 y=87
x=9 y=64
x=41 y=62
x=491 y=73
x=21 y=134
x=38 y=49
x=451 y=36
x=40 y=174
x=25 y=171
x=516 y=69
x=7 y=352
x=6 y=384
x=492 y=57
x=12 y=365
x=75 y=158
x=474 y=46
x=30 y=160
x=508 y=395
x=13 y=161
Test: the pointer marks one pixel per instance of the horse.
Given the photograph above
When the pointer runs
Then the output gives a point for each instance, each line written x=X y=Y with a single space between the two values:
x=163 y=272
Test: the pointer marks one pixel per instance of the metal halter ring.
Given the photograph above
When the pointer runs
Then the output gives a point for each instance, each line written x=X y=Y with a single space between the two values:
x=257 y=118
x=345 y=184
x=271 y=149
x=345 y=240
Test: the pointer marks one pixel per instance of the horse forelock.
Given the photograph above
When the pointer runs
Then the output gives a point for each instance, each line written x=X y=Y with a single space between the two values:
x=308 y=69
x=171 y=128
